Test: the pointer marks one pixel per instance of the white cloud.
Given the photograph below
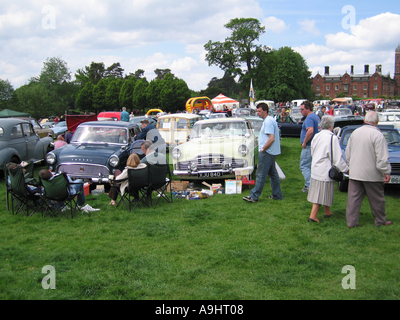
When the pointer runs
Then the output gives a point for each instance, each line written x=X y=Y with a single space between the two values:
x=371 y=42
x=275 y=25
x=308 y=26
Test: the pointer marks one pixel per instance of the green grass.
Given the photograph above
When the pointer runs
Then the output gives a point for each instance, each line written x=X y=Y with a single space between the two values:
x=216 y=248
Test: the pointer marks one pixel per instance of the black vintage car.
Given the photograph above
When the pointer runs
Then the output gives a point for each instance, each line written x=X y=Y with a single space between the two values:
x=97 y=149
x=293 y=128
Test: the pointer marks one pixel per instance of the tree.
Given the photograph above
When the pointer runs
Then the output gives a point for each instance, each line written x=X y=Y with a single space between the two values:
x=35 y=99
x=54 y=72
x=291 y=78
x=161 y=73
x=84 y=101
x=114 y=71
x=93 y=73
x=238 y=49
x=125 y=95
x=112 y=94
x=6 y=93
x=139 y=96
x=99 y=95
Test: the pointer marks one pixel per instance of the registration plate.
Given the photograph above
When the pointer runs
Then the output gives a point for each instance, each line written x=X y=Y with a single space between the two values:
x=209 y=175
x=394 y=179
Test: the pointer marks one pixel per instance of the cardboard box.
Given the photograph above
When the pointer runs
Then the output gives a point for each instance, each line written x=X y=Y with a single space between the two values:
x=86 y=189
x=178 y=186
x=230 y=186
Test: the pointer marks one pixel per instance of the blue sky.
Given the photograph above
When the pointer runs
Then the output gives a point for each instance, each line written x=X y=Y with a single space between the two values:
x=150 y=34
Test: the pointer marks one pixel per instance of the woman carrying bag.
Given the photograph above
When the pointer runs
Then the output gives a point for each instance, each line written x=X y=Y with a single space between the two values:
x=322 y=186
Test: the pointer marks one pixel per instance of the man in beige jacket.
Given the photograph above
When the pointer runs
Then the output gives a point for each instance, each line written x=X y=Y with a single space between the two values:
x=369 y=169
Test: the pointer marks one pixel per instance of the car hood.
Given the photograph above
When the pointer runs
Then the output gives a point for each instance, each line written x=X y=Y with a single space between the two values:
x=224 y=145
x=88 y=153
x=394 y=154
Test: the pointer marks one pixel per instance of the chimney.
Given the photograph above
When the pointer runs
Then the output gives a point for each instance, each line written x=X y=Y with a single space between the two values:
x=351 y=70
x=366 y=69
x=327 y=71
x=378 y=69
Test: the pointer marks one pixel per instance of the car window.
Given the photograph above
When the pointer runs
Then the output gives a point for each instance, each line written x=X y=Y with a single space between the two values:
x=16 y=132
x=100 y=135
x=391 y=136
x=35 y=125
x=28 y=130
x=1 y=132
x=345 y=138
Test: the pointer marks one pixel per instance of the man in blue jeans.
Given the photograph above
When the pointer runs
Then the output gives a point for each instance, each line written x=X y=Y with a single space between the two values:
x=269 y=146
x=74 y=188
x=311 y=126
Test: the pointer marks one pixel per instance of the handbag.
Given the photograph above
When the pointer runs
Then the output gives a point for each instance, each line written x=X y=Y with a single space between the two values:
x=334 y=172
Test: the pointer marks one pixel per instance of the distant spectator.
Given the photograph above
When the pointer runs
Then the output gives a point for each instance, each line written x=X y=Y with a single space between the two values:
x=60 y=142
x=124 y=115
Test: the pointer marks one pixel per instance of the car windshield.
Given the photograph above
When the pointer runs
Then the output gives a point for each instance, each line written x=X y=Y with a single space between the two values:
x=343 y=112
x=61 y=124
x=219 y=129
x=257 y=124
x=392 y=137
x=389 y=117
x=111 y=135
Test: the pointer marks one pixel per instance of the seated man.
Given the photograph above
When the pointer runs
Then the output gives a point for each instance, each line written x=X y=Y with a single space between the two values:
x=75 y=187
x=151 y=133
x=152 y=157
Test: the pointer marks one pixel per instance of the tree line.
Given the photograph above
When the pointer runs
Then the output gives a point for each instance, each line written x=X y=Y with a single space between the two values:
x=279 y=75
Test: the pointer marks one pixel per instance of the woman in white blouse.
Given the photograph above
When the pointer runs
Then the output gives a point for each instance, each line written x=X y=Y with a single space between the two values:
x=133 y=162
x=321 y=189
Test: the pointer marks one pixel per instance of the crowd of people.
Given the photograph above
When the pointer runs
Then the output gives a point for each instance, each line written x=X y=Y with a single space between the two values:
x=320 y=150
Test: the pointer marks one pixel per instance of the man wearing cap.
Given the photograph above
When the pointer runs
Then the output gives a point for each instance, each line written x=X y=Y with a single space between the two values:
x=151 y=133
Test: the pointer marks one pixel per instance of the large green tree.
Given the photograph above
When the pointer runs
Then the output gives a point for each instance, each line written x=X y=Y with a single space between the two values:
x=125 y=95
x=84 y=101
x=112 y=94
x=239 y=49
x=139 y=95
x=99 y=95
x=6 y=94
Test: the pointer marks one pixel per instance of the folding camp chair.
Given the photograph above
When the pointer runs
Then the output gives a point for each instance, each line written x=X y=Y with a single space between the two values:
x=25 y=197
x=160 y=180
x=58 y=189
x=136 y=191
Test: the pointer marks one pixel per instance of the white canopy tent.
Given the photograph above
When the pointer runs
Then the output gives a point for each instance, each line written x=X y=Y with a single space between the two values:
x=220 y=101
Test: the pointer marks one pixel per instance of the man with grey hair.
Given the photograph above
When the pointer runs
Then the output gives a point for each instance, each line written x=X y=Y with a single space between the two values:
x=124 y=115
x=369 y=169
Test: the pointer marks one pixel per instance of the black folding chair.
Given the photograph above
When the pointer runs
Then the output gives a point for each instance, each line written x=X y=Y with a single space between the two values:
x=160 y=180
x=136 y=191
x=57 y=189
x=25 y=198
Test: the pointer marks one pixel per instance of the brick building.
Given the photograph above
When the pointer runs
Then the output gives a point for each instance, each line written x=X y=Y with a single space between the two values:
x=364 y=85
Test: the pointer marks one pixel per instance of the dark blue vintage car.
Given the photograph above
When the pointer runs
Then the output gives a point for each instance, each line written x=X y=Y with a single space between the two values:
x=393 y=139
x=97 y=149
x=19 y=142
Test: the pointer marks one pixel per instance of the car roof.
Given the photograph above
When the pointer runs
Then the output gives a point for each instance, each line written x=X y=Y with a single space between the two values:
x=225 y=119
x=180 y=115
x=11 y=121
x=121 y=124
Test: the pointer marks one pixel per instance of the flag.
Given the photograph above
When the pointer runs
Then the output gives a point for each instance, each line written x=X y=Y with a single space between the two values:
x=251 y=95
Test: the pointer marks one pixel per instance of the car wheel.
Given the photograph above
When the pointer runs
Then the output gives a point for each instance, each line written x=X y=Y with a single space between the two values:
x=343 y=185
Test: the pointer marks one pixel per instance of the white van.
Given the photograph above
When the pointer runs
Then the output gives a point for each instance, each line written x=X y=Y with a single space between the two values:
x=270 y=103
x=298 y=102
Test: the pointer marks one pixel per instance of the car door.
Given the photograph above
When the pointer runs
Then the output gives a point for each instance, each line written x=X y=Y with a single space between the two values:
x=17 y=141
x=31 y=139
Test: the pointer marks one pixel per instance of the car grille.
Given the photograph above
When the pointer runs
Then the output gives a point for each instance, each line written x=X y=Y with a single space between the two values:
x=212 y=162
x=84 y=170
x=395 y=168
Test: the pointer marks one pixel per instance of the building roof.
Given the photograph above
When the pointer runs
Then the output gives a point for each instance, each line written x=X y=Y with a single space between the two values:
x=398 y=48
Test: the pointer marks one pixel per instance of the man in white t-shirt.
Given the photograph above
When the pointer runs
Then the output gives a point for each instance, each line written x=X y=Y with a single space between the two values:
x=269 y=146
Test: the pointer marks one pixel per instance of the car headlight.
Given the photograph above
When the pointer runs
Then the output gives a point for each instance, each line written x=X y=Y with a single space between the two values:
x=176 y=153
x=193 y=166
x=243 y=150
x=50 y=158
x=114 y=161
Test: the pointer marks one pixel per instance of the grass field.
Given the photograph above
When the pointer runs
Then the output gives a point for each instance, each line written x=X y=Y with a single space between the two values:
x=216 y=248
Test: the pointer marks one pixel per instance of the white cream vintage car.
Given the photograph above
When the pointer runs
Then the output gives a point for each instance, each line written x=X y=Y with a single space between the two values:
x=175 y=128
x=216 y=149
